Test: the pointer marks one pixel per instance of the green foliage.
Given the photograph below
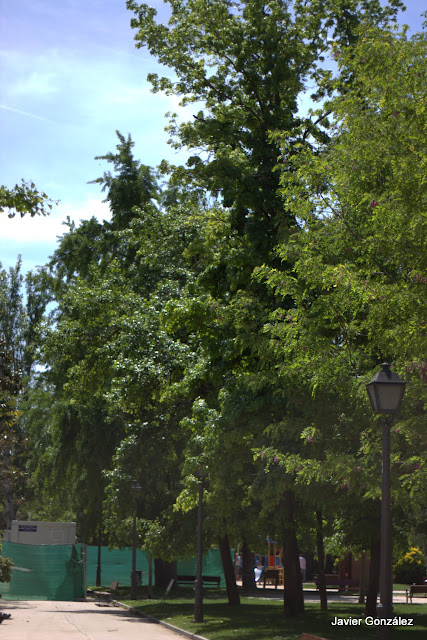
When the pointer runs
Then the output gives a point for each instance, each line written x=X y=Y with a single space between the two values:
x=6 y=565
x=219 y=319
x=410 y=568
x=247 y=64
x=24 y=199
x=13 y=317
x=10 y=386
x=133 y=185
x=359 y=261
x=353 y=296
x=98 y=413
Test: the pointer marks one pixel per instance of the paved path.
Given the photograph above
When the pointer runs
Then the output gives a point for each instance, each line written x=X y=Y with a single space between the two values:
x=36 y=620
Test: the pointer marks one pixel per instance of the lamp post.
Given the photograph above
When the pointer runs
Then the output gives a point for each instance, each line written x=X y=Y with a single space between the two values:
x=133 y=576
x=385 y=393
x=200 y=474
x=98 y=564
x=81 y=516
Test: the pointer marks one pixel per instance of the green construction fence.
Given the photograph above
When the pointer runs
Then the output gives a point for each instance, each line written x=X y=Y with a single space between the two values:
x=116 y=564
x=55 y=572
x=44 y=572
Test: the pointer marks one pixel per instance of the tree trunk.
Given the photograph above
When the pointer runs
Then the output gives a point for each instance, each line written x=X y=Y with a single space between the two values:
x=321 y=557
x=228 y=569
x=293 y=597
x=248 y=574
x=374 y=576
x=98 y=565
x=150 y=576
x=362 y=579
x=164 y=572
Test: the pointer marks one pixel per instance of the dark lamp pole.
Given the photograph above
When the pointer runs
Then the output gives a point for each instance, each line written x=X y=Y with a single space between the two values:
x=81 y=516
x=133 y=577
x=385 y=393
x=200 y=474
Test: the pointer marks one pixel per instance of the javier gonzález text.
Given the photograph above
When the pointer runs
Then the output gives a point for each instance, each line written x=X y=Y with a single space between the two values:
x=396 y=621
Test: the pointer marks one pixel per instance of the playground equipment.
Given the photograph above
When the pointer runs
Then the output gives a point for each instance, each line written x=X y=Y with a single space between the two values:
x=269 y=567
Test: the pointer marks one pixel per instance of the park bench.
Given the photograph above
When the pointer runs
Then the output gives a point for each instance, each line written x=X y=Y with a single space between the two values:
x=206 y=580
x=415 y=589
x=334 y=580
x=106 y=596
x=271 y=575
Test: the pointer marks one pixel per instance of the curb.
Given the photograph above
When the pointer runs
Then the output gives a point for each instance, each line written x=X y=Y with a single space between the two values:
x=171 y=627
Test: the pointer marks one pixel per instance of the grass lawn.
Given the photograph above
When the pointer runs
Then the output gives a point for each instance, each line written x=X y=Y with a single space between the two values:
x=262 y=618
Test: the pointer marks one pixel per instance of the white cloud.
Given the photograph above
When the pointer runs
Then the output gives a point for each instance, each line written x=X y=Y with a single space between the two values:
x=35 y=239
x=35 y=84
x=41 y=229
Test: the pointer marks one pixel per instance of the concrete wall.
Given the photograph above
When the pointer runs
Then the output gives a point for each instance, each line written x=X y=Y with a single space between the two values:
x=36 y=532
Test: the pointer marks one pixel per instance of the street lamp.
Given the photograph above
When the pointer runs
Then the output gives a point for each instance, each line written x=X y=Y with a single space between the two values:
x=200 y=474
x=81 y=516
x=133 y=576
x=385 y=393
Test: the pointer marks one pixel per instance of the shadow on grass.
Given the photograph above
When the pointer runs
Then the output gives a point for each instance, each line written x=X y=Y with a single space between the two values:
x=259 y=619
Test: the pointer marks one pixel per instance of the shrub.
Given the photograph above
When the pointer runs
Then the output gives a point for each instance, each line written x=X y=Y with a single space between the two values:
x=6 y=565
x=410 y=568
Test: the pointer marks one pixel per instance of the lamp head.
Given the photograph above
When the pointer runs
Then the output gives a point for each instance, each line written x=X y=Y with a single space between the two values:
x=386 y=391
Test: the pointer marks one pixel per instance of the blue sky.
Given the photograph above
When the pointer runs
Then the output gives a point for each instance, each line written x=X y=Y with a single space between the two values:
x=70 y=76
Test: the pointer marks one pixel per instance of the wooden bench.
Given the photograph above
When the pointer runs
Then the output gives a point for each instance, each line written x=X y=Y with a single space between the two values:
x=206 y=580
x=415 y=589
x=106 y=596
x=271 y=575
x=333 y=580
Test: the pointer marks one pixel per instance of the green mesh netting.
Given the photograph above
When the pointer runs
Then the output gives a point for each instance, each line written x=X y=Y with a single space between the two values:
x=117 y=564
x=55 y=572
x=44 y=572
x=211 y=565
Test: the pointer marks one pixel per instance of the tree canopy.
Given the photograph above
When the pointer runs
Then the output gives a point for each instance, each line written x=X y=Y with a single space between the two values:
x=24 y=199
x=233 y=309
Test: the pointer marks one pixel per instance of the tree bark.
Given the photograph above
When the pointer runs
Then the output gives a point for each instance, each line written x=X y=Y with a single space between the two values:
x=98 y=565
x=228 y=569
x=150 y=576
x=374 y=576
x=248 y=574
x=293 y=597
x=362 y=579
x=321 y=557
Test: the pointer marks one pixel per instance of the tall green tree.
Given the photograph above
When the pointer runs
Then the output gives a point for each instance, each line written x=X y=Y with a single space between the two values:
x=10 y=386
x=358 y=270
x=17 y=326
x=248 y=63
x=106 y=349
x=13 y=317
